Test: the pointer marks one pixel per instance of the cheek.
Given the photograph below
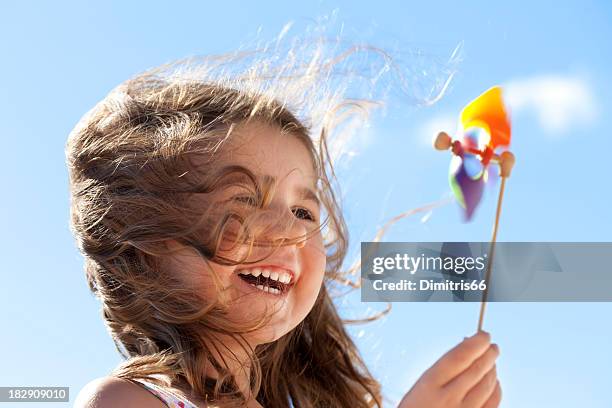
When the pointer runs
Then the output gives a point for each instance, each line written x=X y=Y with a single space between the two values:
x=193 y=272
x=207 y=283
x=317 y=258
x=313 y=269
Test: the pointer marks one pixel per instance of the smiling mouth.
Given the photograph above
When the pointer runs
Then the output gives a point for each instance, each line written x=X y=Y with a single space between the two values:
x=266 y=284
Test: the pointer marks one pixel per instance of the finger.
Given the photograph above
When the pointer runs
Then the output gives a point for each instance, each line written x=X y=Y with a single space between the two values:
x=474 y=373
x=482 y=391
x=459 y=358
x=495 y=398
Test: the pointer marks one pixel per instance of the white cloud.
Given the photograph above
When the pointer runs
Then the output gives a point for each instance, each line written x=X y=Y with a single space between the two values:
x=559 y=102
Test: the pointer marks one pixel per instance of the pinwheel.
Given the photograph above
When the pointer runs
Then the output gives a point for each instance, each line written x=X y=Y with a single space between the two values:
x=483 y=139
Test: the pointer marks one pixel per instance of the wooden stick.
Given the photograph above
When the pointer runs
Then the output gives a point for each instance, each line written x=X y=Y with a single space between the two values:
x=491 y=253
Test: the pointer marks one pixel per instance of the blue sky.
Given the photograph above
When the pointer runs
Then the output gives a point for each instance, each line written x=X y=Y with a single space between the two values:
x=61 y=58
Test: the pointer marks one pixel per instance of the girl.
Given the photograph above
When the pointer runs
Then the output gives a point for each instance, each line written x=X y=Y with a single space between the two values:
x=211 y=234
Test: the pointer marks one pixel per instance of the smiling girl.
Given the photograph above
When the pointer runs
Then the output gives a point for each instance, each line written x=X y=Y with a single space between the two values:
x=211 y=233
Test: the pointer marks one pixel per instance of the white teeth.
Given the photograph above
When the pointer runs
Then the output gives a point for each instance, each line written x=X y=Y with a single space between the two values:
x=277 y=275
x=268 y=289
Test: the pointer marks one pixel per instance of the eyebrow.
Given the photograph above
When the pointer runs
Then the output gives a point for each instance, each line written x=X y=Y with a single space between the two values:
x=308 y=194
x=305 y=192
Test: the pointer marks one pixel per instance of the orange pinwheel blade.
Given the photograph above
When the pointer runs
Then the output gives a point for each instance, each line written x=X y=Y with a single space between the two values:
x=489 y=111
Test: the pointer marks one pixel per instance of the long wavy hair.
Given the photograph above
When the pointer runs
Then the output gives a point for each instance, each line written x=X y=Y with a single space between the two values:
x=132 y=167
x=135 y=162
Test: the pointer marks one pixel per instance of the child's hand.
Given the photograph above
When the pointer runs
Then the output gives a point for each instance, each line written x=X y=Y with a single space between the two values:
x=465 y=377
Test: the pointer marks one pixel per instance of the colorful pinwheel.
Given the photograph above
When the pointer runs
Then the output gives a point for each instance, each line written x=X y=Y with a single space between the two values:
x=483 y=138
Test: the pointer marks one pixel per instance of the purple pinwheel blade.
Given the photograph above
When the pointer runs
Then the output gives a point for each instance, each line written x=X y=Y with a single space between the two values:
x=468 y=190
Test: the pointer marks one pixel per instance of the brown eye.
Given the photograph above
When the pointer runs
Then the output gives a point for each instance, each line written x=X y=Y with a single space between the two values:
x=303 y=214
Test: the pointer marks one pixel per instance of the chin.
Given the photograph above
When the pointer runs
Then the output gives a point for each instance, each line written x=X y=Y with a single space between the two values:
x=279 y=325
x=269 y=334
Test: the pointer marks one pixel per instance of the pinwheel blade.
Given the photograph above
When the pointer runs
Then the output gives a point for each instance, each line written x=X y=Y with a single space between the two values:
x=489 y=112
x=467 y=183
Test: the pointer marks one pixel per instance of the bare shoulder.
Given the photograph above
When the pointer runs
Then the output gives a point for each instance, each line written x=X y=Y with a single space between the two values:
x=107 y=392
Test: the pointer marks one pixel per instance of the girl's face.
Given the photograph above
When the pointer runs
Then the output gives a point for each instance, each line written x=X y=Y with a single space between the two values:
x=286 y=283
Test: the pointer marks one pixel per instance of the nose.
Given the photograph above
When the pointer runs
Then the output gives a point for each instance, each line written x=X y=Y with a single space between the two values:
x=285 y=227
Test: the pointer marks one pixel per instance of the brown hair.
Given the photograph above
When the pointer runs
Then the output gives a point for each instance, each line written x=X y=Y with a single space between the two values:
x=131 y=164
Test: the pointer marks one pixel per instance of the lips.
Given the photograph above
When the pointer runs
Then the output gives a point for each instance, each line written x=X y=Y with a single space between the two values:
x=268 y=279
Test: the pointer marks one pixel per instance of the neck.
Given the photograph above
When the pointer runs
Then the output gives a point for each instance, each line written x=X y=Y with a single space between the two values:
x=233 y=355
x=235 y=358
